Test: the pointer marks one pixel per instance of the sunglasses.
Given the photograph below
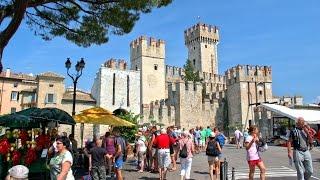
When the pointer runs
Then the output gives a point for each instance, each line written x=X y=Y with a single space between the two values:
x=59 y=143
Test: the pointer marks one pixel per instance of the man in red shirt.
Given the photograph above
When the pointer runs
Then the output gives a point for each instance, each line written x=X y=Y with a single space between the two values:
x=163 y=142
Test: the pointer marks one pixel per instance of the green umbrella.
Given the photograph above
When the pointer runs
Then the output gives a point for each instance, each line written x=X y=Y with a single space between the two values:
x=16 y=120
x=52 y=114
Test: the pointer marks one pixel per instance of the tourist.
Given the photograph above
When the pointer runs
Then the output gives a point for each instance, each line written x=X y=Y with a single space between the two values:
x=163 y=142
x=197 y=138
x=120 y=153
x=186 y=149
x=245 y=135
x=203 y=138
x=97 y=161
x=253 y=156
x=298 y=139
x=237 y=136
x=220 y=138
x=153 y=151
x=173 y=148
x=74 y=143
x=60 y=164
x=212 y=151
x=141 y=149
x=108 y=144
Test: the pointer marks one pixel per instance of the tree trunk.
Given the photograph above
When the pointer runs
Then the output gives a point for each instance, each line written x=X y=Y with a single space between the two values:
x=20 y=7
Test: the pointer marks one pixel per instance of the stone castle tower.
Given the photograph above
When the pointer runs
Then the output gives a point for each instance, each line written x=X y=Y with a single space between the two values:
x=246 y=86
x=202 y=41
x=148 y=56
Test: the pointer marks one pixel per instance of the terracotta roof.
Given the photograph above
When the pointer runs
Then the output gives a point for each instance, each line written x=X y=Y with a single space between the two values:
x=18 y=76
x=50 y=74
x=80 y=96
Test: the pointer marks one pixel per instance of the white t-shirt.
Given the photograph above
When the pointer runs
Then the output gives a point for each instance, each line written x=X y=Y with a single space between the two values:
x=238 y=134
x=142 y=146
x=252 y=152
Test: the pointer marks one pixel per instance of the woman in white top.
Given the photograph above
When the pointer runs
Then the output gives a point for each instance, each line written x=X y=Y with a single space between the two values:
x=60 y=164
x=253 y=156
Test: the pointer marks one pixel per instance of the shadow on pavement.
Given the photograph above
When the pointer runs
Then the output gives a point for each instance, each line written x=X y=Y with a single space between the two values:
x=149 y=178
x=200 y=172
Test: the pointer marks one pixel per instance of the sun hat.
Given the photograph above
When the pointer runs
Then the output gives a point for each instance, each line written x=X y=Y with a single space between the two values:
x=19 y=172
x=212 y=135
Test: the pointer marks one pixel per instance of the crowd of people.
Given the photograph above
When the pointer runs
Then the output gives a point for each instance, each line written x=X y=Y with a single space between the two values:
x=157 y=150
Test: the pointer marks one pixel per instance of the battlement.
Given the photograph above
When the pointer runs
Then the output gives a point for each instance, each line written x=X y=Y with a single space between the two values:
x=201 y=32
x=150 y=47
x=216 y=78
x=249 y=73
x=173 y=71
x=120 y=64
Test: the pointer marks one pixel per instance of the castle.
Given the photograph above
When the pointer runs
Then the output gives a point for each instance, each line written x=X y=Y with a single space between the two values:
x=160 y=93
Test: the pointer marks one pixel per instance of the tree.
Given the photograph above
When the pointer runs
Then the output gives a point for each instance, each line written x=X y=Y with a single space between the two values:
x=129 y=132
x=190 y=73
x=83 y=22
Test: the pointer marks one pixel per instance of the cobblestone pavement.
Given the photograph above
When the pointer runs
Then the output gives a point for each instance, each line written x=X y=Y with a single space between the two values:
x=275 y=159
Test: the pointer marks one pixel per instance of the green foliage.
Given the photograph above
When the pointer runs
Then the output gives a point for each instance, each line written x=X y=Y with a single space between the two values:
x=129 y=132
x=190 y=73
x=82 y=22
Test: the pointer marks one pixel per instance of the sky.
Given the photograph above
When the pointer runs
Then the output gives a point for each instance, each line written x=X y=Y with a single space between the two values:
x=281 y=34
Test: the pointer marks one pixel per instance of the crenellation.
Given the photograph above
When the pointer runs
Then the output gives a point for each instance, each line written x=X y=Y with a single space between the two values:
x=201 y=33
x=248 y=73
x=150 y=47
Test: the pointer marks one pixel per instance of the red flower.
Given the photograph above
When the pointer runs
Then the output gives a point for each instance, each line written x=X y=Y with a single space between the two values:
x=31 y=156
x=4 y=146
x=23 y=136
x=16 y=156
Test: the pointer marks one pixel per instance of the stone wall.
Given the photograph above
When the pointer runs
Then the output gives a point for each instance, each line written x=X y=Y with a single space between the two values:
x=116 y=87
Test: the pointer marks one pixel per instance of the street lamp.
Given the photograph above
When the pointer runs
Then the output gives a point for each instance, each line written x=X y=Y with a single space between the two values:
x=79 y=67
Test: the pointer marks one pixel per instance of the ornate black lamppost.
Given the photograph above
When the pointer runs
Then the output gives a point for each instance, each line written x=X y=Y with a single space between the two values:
x=79 y=67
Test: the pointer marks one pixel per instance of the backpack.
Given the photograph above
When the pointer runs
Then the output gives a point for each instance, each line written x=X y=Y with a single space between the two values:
x=120 y=140
x=183 y=152
x=221 y=140
x=212 y=149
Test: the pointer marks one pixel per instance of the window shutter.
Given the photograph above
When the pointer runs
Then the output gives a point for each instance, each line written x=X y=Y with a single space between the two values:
x=54 y=98
x=46 y=99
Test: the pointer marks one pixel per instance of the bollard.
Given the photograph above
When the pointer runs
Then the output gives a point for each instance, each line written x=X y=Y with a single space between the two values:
x=224 y=170
x=232 y=175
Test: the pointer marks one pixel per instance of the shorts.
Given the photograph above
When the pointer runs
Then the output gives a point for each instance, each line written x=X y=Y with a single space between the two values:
x=164 y=159
x=118 y=163
x=202 y=142
x=154 y=152
x=212 y=159
x=197 y=141
x=171 y=150
x=253 y=163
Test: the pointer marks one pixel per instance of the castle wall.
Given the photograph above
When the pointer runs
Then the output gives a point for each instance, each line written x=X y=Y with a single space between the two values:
x=148 y=57
x=115 y=87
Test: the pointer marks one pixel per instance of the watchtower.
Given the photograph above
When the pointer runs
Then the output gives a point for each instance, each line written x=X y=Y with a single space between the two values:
x=148 y=56
x=202 y=41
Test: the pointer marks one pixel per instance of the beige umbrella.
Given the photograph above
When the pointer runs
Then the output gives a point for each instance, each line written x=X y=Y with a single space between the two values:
x=98 y=115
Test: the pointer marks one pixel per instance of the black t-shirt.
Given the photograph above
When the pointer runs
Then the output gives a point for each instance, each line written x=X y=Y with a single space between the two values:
x=97 y=156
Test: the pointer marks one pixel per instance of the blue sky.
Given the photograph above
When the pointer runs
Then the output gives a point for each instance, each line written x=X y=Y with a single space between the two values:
x=282 y=34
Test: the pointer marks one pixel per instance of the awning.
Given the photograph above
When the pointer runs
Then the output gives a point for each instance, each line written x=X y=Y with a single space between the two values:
x=310 y=116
